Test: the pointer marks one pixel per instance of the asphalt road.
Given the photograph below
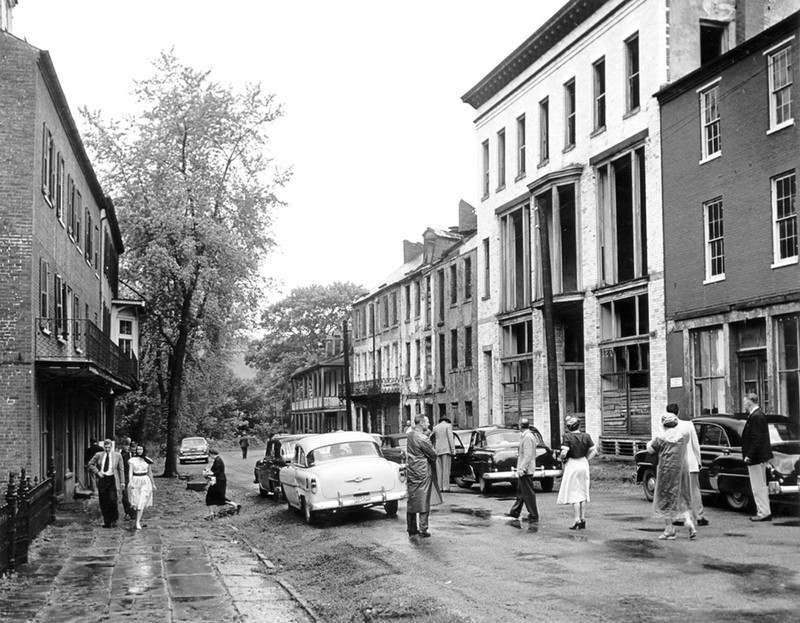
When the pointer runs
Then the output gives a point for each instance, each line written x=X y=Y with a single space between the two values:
x=477 y=567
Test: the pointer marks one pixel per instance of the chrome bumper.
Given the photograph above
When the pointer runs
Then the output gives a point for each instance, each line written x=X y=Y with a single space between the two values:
x=349 y=501
x=512 y=474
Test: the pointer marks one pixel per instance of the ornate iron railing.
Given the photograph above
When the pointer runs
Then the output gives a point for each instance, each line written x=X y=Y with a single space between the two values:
x=372 y=387
x=77 y=341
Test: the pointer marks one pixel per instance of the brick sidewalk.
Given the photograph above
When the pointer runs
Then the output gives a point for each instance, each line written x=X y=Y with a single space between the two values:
x=178 y=568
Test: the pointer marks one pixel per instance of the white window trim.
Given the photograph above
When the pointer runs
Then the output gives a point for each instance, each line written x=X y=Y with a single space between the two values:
x=703 y=144
x=786 y=124
x=776 y=261
x=709 y=278
x=773 y=127
x=777 y=46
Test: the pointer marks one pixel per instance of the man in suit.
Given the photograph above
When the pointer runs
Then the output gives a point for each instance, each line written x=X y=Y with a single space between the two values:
x=756 y=451
x=526 y=465
x=107 y=466
x=130 y=513
x=445 y=445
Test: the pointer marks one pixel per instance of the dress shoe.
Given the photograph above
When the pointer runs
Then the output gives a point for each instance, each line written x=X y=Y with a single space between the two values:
x=532 y=519
x=702 y=521
x=762 y=518
x=425 y=534
x=238 y=508
x=514 y=523
x=107 y=525
x=678 y=522
x=512 y=515
x=582 y=525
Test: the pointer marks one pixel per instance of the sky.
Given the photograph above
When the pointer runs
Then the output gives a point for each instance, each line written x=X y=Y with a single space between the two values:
x=380 y=143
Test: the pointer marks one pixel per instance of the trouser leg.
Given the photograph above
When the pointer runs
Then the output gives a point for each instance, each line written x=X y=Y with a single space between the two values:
x=516 y=508
x=529 y=496
x=697 y=497
x=440 y=471
x=411 y=524
x=758 y=483
x=445 y=472
x=423 y=522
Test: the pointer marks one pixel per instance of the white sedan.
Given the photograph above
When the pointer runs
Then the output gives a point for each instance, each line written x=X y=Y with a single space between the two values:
x=337 y=471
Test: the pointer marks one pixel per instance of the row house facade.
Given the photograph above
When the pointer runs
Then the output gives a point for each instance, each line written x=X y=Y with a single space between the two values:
x=730 y=145
x=68 y=341
x=315 y=402
x=414 y=337
x=568 y=135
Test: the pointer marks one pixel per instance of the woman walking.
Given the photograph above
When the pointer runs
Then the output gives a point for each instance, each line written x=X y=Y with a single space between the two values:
x=672 y=498
x=576 y=449
x=217 y=490
x=140 y=484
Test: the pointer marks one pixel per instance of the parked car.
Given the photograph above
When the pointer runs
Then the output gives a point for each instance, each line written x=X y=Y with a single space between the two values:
x=491 y=457
x=393 y=447
x=337 y=471
x=193 y=449
x=279 y=452
x=723 y=471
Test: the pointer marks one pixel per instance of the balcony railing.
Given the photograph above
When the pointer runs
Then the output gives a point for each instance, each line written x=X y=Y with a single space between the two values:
x=372 y=387
x=65 y=341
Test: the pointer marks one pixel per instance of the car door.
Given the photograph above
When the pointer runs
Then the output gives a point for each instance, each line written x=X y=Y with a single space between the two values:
x=290 y=478
x=714 y=444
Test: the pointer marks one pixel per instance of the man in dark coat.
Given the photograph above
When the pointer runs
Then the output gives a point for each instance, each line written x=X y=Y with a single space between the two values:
x=244 y=443
x=756 y=451
x=420 y=480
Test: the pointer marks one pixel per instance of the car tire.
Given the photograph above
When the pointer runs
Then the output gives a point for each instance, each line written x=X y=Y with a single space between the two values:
x=262 y=491
x=277 y=492
x=462 y=484
x=286 y=499
x=484 y=485
x=308 y=514
x=391 y=508
x=547 y=484
x=737 y=501
x=649 y=484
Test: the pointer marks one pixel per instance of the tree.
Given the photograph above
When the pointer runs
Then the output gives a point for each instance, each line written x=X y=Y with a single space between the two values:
x=296 y=330
x=195 y=196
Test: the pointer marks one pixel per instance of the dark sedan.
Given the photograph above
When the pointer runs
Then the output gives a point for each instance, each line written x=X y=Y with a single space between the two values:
x=280 y=449
x=723 y=471
x=393 y=447
x=491 y=457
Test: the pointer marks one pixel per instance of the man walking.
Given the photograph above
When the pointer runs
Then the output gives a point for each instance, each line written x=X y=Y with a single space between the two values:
x=244 y=443
x=756 y=451
x=108 y=469
x=422 y=489
x=693 y=462
x=125 y=453
x=526 y=465
x=445 y=445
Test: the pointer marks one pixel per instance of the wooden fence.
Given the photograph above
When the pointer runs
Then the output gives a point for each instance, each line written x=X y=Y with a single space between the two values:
x=29 y=507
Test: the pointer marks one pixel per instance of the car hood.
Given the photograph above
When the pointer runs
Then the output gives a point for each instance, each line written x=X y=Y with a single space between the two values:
x=355 y=475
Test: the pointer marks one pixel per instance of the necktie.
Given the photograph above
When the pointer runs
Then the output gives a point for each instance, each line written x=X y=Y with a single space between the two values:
x=105 y=464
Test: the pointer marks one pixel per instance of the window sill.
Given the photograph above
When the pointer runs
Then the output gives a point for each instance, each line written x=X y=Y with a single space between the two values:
x=631 y=112
x=486 y=297
x=543 y=163
x=598 y=131
x=782 y=126
x=485 y=197
x=568 y=148
x=520 y=176
x=711 y=157
x=500 y=188
x=789 y=261
x=714 y=279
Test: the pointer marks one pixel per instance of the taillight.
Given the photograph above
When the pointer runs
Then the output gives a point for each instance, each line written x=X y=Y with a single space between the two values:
x=313 y=485
x=402 y=474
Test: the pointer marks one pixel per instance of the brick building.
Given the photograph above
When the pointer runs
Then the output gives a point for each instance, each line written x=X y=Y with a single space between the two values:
x=730 y=145
x=568 y=137
x=67 y=342
x=413 y=337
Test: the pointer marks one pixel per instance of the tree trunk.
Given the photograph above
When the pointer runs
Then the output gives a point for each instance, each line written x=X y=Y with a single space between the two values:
x=176 y=367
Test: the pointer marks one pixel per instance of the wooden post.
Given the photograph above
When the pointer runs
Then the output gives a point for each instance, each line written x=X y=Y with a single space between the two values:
x=11 y=500
x=348 y=395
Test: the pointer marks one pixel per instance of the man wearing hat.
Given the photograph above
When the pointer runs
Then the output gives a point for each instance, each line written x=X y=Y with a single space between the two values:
x=756 y=451
x=526 y=464
x=693 y=462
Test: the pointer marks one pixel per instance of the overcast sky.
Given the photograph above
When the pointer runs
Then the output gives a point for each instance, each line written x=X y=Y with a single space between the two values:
x=381 y=145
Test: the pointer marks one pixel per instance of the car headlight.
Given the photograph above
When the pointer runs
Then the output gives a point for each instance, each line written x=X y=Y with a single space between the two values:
x=313 y=485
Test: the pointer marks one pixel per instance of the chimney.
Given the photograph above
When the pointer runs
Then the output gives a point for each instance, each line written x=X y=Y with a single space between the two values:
x=411 y=250
x=6 y=9
x=467 y=219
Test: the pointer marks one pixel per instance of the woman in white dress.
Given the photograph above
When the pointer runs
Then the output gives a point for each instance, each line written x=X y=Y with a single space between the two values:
x=140 y=484
x=576 y=450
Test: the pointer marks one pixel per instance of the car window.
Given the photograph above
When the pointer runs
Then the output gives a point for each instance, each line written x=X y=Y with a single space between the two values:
x=502 y=437
x=343 y=450
x=475 y=440
x=780 y=431
x=300 y=456
x=287 y=450
x=459 y=444
x=713 y=435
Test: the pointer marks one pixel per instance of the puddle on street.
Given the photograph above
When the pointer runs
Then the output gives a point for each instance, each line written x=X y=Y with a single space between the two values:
x=634 y=548
x=757 y=578
x=734 y=534
x=793 y=523
x=481 y=513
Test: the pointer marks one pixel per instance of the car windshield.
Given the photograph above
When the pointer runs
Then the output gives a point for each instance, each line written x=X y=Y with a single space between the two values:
x=342 y=450
x=502 y=437
x=193 y=442
x=780 y=432
x=287 y=450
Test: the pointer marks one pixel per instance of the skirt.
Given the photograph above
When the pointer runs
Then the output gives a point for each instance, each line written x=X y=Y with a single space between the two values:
x=574 y=482
x=140 y=494
x=215 y=494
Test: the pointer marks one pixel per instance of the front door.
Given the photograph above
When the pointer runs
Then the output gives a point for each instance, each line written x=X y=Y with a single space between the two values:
x=753 y=377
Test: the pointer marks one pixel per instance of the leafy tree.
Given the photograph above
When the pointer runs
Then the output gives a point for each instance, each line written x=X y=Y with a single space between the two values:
x=195 y=195
x=296 y=331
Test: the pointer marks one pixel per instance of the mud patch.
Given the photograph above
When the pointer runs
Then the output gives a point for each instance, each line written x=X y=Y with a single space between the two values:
x=756 y=578
x=734 y=534
x=480 y=513
x=634 y=548
x=793 y=523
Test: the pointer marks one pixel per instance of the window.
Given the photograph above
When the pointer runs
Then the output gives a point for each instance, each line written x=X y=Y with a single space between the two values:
x=453 y=349
x=428 y=301
x=544 y=131
x=487 y=292
x=442 y=356
x=407 y=290
x=467 y=278
x=87 y=250
x=574 y=377
x=784 y=216
x=44 y=303
x=569 y=114
x=501 y=159
x=709 y=115
x=393 y=299
x=408 y=360
x=453 y=284
x=60 y=191
x=623 y=218
x=780 y=87
x=712 y=41
x=715 y=242
x=788 y=331
x=515 y=248
x=440 y=280
x=126 y=336
x=428 y=362
x=467 y=347
x=70 y=207
x=386 y=312
x=76 y=232
x=559 y=207
x=599 y=94
x=485 y=154
x=521 y=146
x=60 y=291
x=708 y=371
x=418 y=359
x=417 y=295
x=48 y=165
x=632 y=73
x=78 y=326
